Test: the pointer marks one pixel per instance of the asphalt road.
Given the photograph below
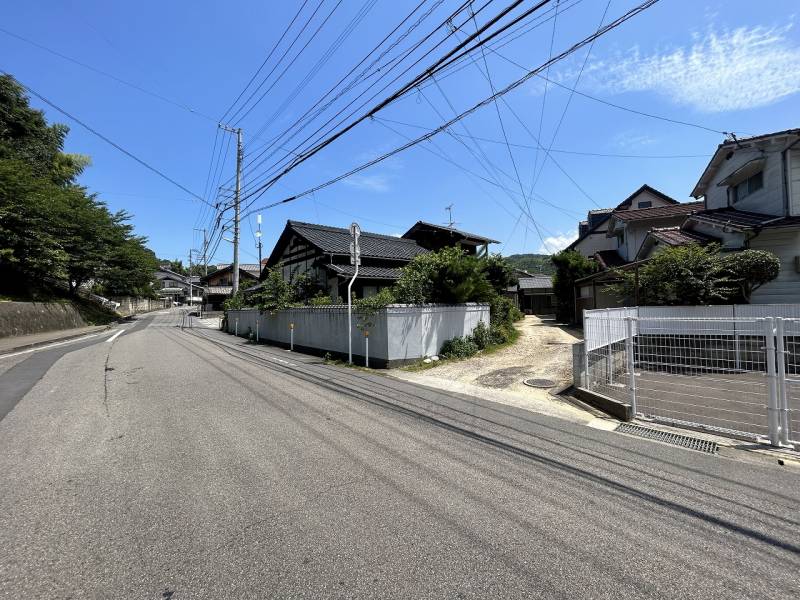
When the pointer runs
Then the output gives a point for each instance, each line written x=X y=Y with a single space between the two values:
x=188 y=464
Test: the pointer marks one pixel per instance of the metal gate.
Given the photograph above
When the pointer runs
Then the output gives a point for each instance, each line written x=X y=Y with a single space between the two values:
x=733 y=375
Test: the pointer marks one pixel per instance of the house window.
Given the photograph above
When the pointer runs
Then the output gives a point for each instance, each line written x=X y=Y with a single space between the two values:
x=645 y=204
x=748 y=186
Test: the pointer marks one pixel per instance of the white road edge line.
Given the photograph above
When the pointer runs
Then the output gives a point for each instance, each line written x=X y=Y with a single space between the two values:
x=115 y=336
x=37 y=348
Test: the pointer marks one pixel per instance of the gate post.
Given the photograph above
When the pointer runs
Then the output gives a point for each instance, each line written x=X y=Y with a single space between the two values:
x=773 y=418
x=609 y=356
x=783 y=403
x=631 y=356
x=585 y=351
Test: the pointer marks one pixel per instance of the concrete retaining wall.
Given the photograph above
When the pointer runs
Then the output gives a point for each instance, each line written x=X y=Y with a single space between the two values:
x=132 y=306
x=23 y=318
x=398 y=334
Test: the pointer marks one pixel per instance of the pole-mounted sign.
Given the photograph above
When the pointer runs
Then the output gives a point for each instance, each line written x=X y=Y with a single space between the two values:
x=355 y=259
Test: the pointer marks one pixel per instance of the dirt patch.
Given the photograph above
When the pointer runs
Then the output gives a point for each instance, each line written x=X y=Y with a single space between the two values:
x=501 y=378
x=543 y=350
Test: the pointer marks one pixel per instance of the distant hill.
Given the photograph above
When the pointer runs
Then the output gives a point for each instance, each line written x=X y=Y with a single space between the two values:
x=533 y=263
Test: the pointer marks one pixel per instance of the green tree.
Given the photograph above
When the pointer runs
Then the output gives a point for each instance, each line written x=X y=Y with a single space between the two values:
x=50 y=227
x=448 y=276
x=274 y=293
x=698 y=275
x=750 y=269
x=570 y=266
x=499 y=272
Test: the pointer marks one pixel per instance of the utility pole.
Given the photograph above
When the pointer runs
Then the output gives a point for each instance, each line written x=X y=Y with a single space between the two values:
x=236 y=203
x=258 y=235
x=190 y=277
x=205 y=250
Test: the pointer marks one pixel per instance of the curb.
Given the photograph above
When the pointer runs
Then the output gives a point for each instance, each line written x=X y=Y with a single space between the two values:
x=54 y=341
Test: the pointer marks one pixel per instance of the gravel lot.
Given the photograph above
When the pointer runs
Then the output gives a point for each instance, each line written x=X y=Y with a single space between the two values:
x=543 y=350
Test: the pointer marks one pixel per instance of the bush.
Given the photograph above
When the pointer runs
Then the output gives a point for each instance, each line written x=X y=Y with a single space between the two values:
x=503 y=311
x=570 y=266
x=459 y=347
x=481 y=336
x=321 y=299
x=448 y=276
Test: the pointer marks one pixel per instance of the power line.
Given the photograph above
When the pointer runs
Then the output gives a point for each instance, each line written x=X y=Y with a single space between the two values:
x=110 y=76
x=263 y=64
x=296 y=56
x=386 y=70
x=552 y=150
x=515 y=84
x=426 y=74
x=108 y=141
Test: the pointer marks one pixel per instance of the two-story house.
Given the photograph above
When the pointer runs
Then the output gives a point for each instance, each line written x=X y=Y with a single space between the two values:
x=751 y=195
x=617 y=236
x=175 y=287
x=323 y=253
x=219 y=284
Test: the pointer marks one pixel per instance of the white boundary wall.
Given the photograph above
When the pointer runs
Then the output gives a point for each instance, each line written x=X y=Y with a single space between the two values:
x=398 y=333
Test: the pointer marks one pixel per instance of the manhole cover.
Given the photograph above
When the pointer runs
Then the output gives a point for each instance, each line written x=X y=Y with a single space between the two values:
x=539 y=383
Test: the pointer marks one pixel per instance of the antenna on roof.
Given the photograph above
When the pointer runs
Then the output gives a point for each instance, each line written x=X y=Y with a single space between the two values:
x=450 y=222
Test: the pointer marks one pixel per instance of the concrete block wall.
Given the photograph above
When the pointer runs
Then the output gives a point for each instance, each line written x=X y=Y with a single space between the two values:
x=23 y=318
x=398 y=334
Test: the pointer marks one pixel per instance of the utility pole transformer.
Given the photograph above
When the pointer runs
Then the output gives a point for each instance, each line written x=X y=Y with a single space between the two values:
x=236 y=203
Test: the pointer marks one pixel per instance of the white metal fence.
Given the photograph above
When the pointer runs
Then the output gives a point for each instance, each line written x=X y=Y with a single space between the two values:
x=737 y=374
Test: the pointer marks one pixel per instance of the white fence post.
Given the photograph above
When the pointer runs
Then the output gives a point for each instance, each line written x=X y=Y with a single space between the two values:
x=773 y=418
x=585 y=350
x=610 y=356
x=257 y=338
x=783 y=403
x=366 y=348
x=291 y=337
x=236 y=328
x=631 y=354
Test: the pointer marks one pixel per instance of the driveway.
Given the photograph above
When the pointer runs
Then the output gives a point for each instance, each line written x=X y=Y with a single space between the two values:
x=543 y=351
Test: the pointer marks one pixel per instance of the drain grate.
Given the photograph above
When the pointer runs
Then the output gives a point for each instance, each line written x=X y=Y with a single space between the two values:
x=676 y=439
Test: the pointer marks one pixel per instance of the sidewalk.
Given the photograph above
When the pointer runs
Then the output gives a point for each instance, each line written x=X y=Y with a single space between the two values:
x=23 y=342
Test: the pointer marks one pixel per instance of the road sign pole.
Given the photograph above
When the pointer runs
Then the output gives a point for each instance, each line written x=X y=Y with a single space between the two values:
x=355 y=258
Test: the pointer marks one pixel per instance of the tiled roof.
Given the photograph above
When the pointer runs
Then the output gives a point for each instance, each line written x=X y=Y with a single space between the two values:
x=464 y=234
x=659 y=212
x=336 y=240
x=744 y=220
x=365 y=272
x=537 y=282
x=609 y=259
x=219 y=289
x=253 y=269
x=675 y=236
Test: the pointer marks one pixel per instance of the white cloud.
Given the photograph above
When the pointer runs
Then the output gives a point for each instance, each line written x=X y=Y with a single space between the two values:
x=631 y=140
x=556 y=243
x=723 y=70
x=370 y=183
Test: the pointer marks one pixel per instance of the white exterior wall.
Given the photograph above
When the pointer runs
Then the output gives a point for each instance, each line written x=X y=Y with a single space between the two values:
x=794 y=182
x=397 y=333
x=646 y=196
x=769 y=200
x=785 y=244
x=594 y=242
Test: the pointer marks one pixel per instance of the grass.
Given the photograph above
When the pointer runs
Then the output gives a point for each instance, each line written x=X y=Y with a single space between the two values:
x=490 y=349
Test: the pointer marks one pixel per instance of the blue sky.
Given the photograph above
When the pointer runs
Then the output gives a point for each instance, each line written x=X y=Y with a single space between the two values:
x=731 y=65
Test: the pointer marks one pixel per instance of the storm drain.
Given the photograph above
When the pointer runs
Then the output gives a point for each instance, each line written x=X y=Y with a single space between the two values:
x=676 y=439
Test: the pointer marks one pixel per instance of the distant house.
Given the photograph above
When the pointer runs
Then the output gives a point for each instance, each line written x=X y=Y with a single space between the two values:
x=618 y=237
x=533 y=293
x=219 y=284
x=175 y=287
x=323 y=253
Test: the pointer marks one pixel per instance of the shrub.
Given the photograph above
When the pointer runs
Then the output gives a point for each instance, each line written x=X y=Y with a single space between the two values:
x=481 y=336
x=459 y=347
x=750 y=269
x=503 y=311
x=321 y=299
x=448 y=276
